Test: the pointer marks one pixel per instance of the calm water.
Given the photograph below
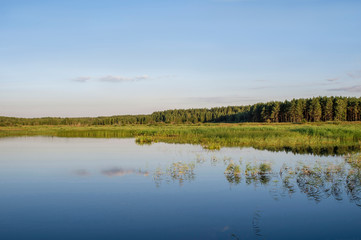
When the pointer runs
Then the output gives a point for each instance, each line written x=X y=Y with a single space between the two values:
x=81 y=188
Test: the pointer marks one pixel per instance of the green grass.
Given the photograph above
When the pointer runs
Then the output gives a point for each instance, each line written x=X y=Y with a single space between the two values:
x=316 y=138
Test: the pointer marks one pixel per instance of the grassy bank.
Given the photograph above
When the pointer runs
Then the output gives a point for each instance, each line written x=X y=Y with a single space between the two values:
x=318 y=138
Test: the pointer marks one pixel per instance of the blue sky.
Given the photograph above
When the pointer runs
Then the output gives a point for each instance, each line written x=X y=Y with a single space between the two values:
x=91 y=58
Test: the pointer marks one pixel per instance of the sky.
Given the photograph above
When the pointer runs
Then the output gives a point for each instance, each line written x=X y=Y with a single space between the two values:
x=99 y=58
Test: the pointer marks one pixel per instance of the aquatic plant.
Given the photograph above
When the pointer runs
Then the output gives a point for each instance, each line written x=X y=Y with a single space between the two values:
x=265 y=168
x=177 y=171
x=233 y=173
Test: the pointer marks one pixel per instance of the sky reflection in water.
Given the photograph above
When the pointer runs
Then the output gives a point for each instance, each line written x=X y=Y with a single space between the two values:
x=70 y=188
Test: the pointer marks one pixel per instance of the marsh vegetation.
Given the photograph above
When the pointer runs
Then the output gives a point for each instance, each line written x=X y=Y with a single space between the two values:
x=313 y=138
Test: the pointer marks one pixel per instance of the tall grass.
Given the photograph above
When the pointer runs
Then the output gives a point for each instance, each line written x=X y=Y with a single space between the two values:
x=321 y=139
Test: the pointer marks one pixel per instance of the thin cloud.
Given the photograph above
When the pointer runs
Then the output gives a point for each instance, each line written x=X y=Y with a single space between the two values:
x=111 y=78
x=332 y=79
x=347 y=76
x=355 y=75
x=81 y=79
x=356 y=88
x=115 y=79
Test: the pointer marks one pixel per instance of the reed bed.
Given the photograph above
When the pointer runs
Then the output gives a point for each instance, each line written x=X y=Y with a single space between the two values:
x=318 y=138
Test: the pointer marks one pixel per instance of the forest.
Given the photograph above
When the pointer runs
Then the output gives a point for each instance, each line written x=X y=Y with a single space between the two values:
x=296 y=111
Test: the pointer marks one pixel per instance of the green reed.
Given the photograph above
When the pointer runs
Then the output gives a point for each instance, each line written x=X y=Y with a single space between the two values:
x=319 y=138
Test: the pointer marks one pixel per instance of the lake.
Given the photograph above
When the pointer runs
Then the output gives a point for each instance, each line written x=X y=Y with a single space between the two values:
x=97 y=188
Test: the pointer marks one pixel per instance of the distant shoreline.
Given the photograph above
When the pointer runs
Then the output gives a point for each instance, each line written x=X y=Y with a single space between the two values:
x=317 y=109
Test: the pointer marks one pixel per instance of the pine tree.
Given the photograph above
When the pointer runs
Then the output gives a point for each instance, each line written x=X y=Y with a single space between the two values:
x=315 y=110
x=339 y=109
x=328 y=113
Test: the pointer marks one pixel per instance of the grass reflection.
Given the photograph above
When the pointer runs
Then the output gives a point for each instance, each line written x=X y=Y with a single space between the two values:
x=176 y=172
x=233 y=173
x=317 y=182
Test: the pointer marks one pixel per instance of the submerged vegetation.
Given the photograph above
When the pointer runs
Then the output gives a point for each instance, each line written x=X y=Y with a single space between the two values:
x=315 y=138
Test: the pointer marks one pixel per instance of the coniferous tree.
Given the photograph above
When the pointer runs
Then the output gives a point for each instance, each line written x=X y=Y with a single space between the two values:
x=315 y=110
x=328 y=112
x=340 y=109
x=300 y=108
x=296 y=110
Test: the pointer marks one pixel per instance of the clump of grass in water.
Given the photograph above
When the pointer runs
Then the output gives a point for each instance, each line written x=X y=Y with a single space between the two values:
x=212 y=146
x=233 y=173
x=258 y=173
x=144 y=140
x=265 y=168
x=233 y=169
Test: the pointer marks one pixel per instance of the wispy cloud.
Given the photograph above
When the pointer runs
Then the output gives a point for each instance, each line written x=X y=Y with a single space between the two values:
x=333 y=79
x=356 y=88
x=81 y=79
x=355 y=75
x=111 y=78
x=347 y=76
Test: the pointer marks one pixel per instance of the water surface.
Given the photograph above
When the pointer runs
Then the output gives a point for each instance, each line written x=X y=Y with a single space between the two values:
x=93 y=188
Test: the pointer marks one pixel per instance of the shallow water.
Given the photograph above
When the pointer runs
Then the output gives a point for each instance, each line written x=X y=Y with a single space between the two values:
x=84 y=188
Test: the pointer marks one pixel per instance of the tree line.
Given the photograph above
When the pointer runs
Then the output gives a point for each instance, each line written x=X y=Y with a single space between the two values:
x=296 y=110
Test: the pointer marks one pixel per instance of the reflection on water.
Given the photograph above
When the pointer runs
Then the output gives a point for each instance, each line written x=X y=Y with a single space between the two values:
x=177 y=172
x=318 y=181
x=116 y=189
x=319 y=149
x=313 y=145
x=122 y=172
x=256 y=223
x=81 y=172
x=315 y=150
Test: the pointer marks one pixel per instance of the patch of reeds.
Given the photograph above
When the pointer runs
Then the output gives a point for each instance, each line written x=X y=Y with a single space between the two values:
x=320 y=139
